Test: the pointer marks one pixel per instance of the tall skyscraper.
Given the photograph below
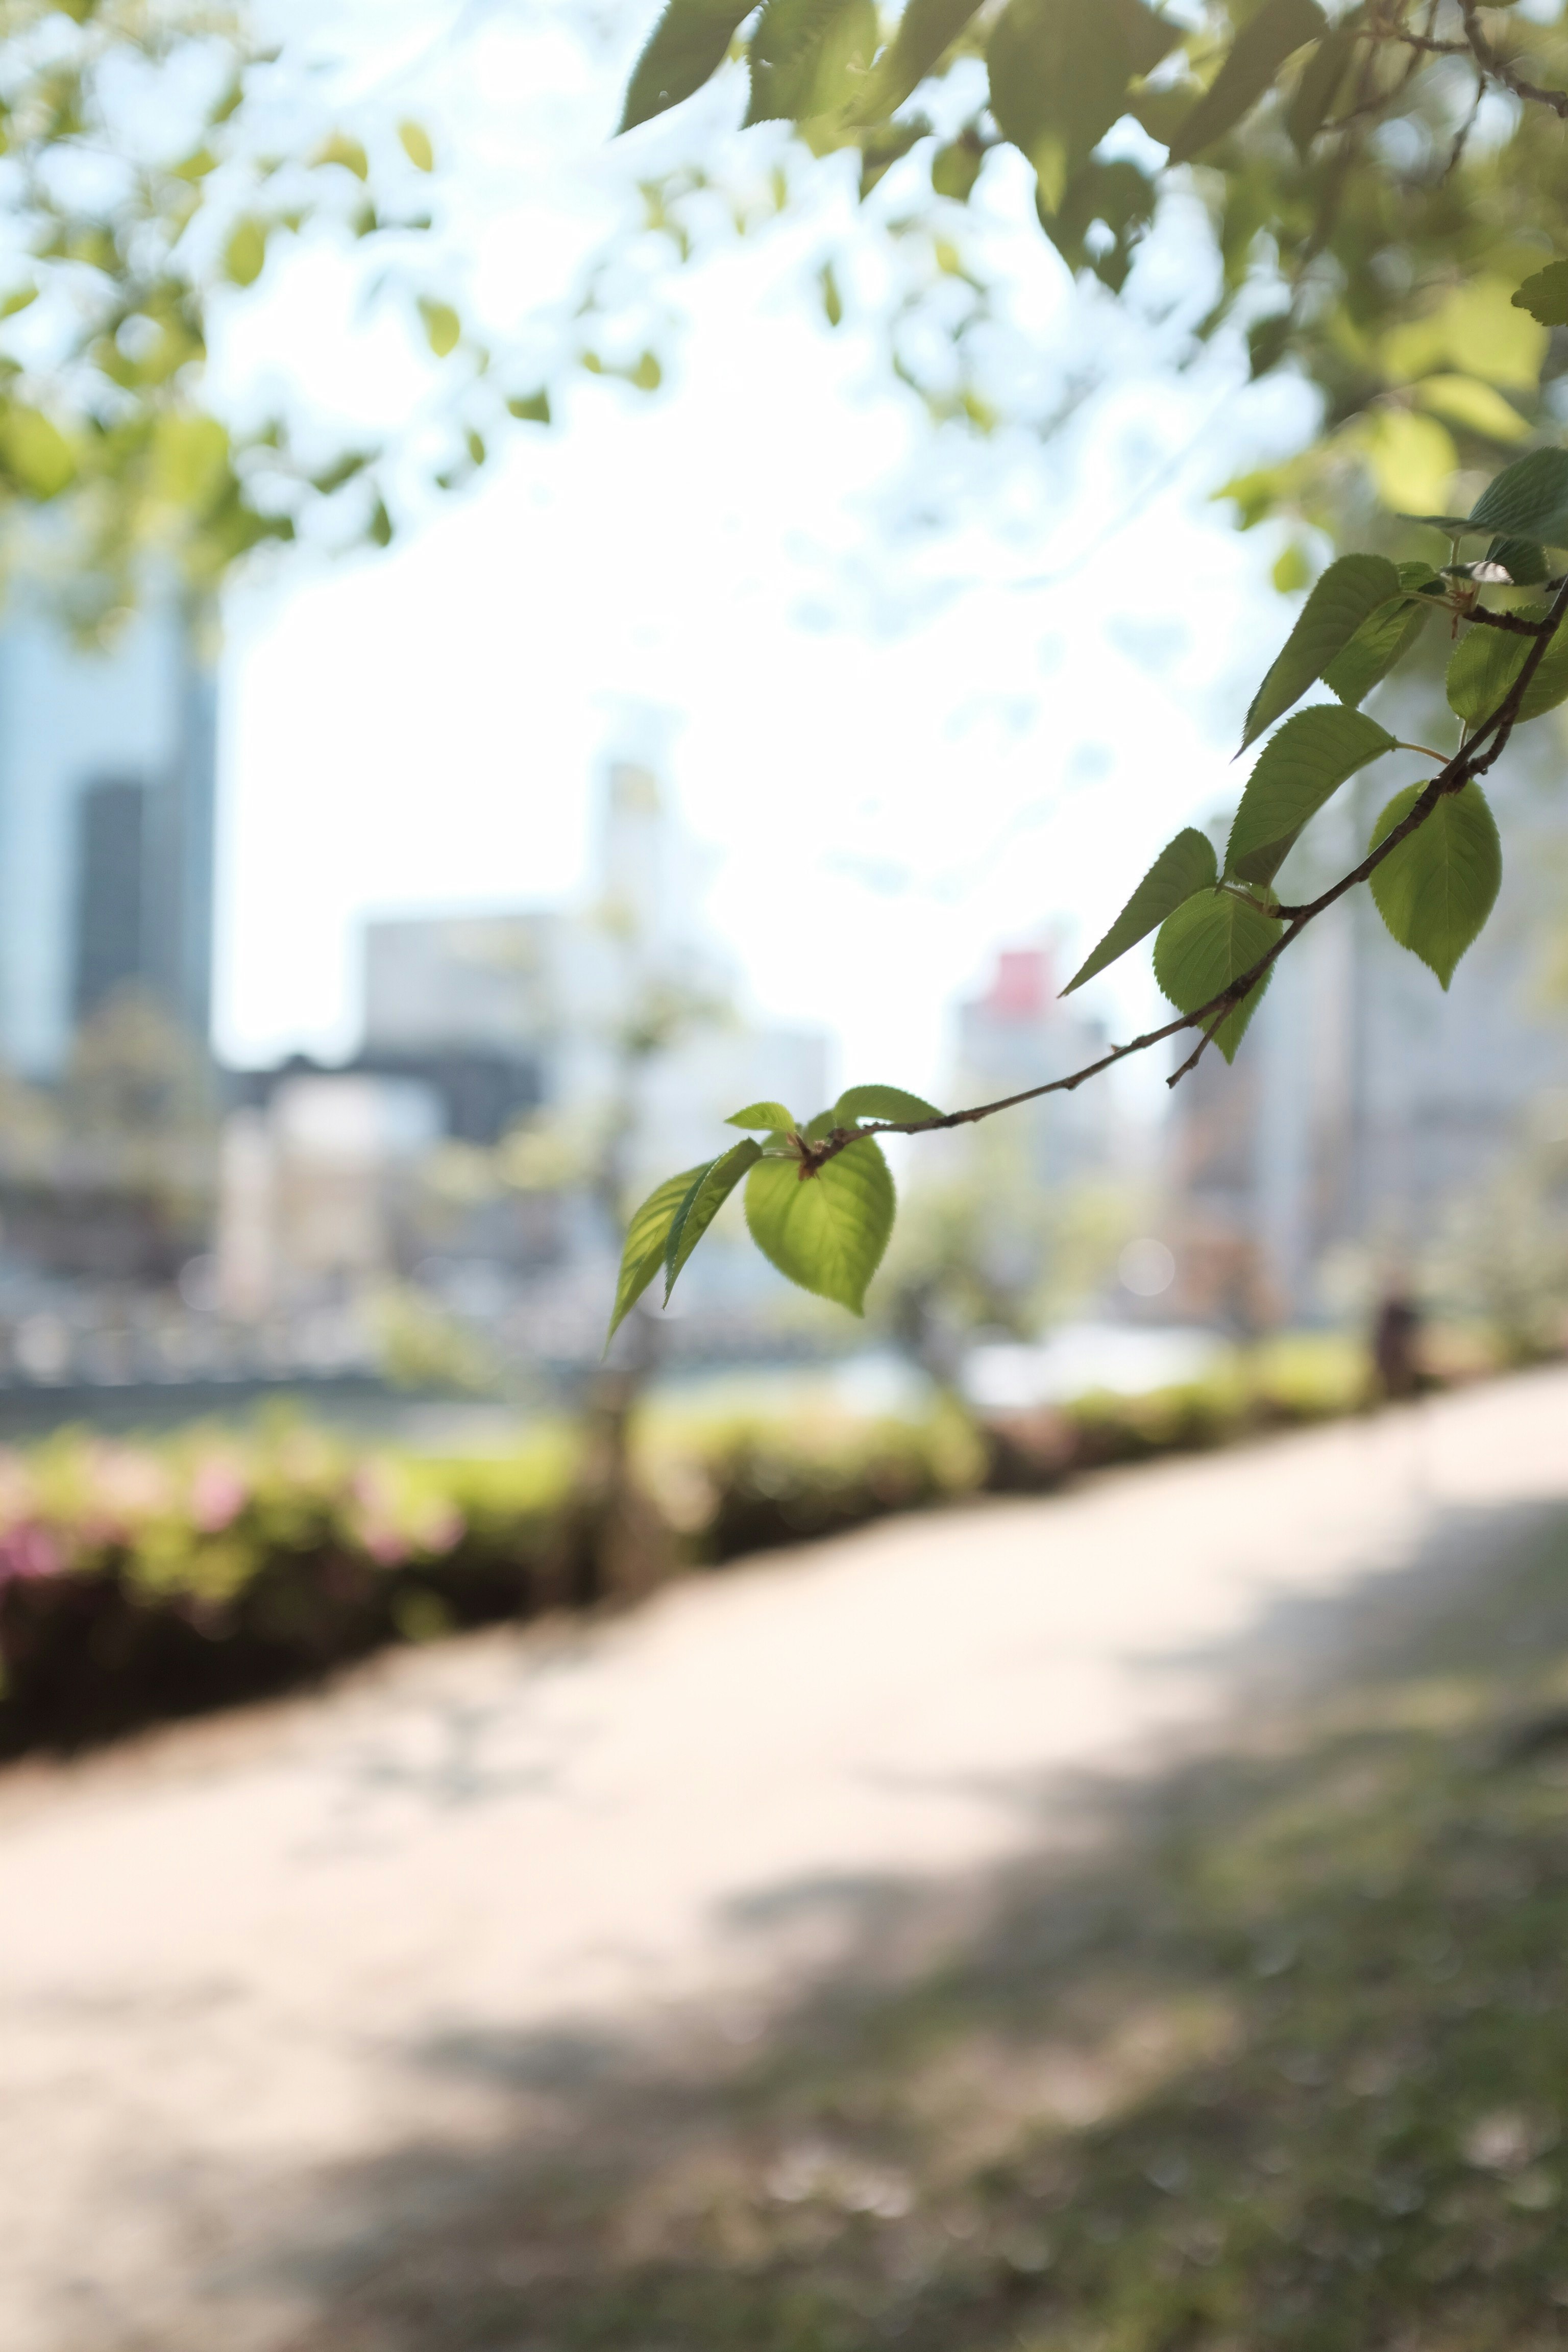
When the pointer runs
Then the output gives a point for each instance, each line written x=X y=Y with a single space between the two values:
x=106 y=788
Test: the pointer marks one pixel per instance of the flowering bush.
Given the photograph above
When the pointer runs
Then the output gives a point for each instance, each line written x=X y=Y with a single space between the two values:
x=143 y=1579
x=151 y=1578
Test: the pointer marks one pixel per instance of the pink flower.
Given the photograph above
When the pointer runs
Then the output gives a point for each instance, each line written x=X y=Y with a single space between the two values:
x=218 y=1495
x=385 y=1545
x=30 y=1550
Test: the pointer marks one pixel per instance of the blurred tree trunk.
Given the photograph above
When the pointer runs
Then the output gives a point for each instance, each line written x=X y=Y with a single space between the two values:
x=612 y=1545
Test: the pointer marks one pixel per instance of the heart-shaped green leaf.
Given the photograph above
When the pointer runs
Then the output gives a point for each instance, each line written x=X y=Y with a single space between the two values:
x=1297 y=770
x=1436 y=889
x=881 y=1102
x=702 y=1204
x=825 y=1232
x=647 y=1236
x=1347 y=593
x=1184 y=865
x=1206 y=945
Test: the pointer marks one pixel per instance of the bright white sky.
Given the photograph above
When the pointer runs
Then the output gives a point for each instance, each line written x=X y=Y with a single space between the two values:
x=901 y=754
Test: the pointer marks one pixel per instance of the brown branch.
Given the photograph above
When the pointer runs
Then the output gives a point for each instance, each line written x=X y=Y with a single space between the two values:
x=1489 y=62
x=1475 y=45
x=1472 y=760
x=1512 y=623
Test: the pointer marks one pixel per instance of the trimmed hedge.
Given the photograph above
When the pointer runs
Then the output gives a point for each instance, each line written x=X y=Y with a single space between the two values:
x=138 y=1582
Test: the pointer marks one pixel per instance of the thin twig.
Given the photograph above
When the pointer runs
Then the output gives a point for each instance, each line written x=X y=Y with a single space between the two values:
x=1477 y=755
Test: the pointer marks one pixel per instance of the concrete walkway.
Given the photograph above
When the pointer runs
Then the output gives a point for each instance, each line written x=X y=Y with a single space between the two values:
x=239 y=1958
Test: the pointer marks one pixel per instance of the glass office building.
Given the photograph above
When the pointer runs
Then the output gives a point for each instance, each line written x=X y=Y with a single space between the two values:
x=106 y=788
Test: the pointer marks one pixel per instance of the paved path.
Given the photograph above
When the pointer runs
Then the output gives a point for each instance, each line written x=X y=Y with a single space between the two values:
x=240 y=1958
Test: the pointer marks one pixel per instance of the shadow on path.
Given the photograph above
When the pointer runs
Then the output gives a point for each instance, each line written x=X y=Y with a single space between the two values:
x=1268 y=2049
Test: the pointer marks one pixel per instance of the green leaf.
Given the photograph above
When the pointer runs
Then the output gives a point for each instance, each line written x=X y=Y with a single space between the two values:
x=1277 y=30
x=245 y=255
x=1545 y=296
x=1184 y=866
x=1059 y=71
x=443 y=327
x=1485 y=662
x=1148 y=33
x=1296 y=771
x=341 y=149
x=530 y=408
x=1204 y=946
x=881 y=1102
x=926 y=28
x=341 y=470
x=771 y=1117
x=809 y=57
x=953 y=170
x=1348 y=592
x=825 y=1232
x=1436 y=889
x=416 y=145
x=1528 y=500
x=1319 y=85
x=1473 y=406
x=709 y=1193
x=689 y=43
x=647 y=1237
x=190 y=457
x=1383 y=638
x=37 y=453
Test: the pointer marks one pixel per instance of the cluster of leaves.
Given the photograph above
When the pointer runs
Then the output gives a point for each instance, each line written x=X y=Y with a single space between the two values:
x=821 y=1215
x=1358 y=227
x=819 y=1198
x=144 y=180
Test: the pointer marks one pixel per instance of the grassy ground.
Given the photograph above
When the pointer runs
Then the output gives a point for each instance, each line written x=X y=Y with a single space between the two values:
x=1279 y=2059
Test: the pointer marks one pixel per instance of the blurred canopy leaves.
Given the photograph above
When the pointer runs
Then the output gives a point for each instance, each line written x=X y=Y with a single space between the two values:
x=1378 y=188
x=138 y=195
x=1379 y=180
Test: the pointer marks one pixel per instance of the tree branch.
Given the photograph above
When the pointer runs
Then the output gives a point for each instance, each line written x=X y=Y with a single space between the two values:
x=1512 y=622
x=1489 y=62
x=1474 y=759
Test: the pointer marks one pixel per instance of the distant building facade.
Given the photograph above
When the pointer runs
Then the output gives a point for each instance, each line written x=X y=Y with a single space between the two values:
x=608 y=1026
x=107 y=799
x=1363 y=1099
x=1017 y=1034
